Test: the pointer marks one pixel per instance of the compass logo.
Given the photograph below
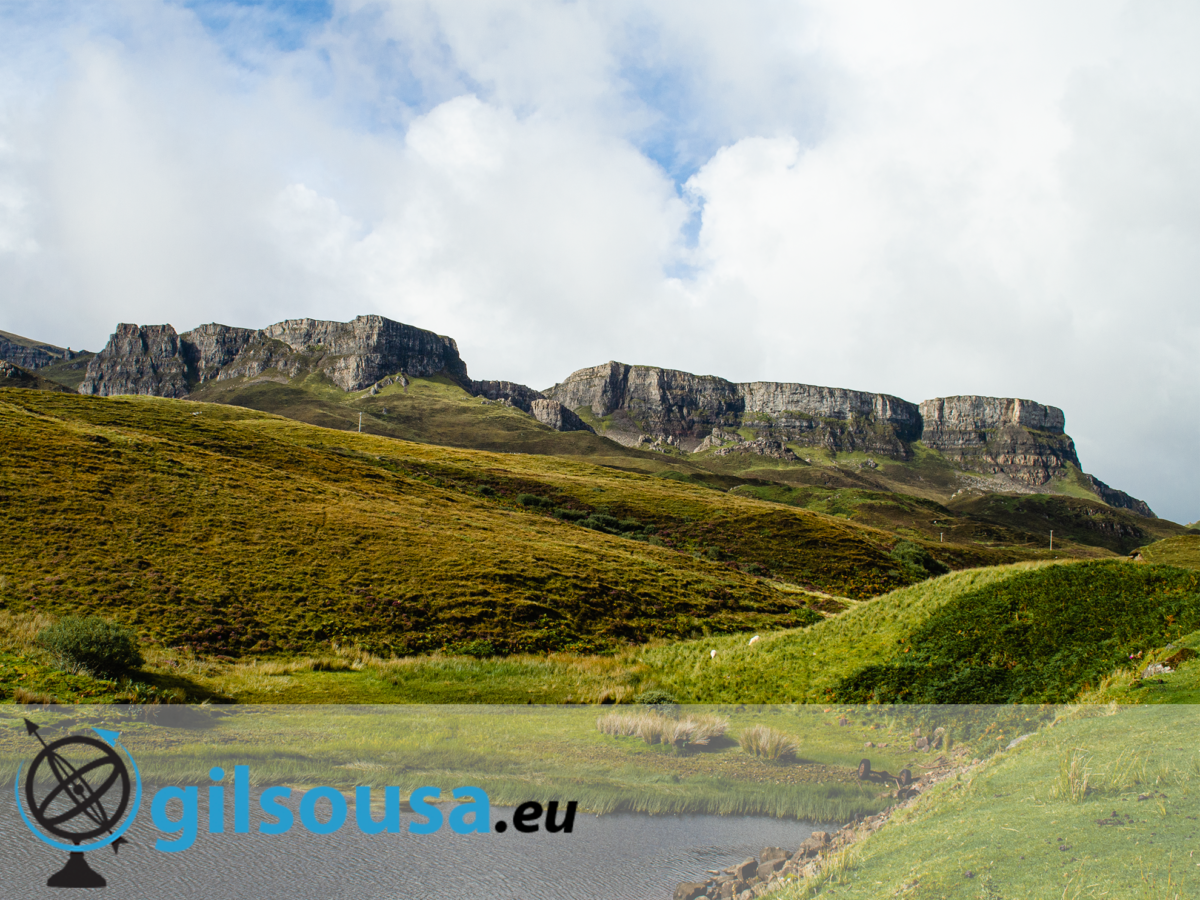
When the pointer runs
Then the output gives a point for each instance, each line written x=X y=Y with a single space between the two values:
x=77 y=797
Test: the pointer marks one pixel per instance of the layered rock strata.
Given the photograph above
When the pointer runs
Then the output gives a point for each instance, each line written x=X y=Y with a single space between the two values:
x=1004 y=436
x=30 y=354
x=661 y=403
x=1120 y=499
x=507 y=392
x=153 y=359
x=557 y=416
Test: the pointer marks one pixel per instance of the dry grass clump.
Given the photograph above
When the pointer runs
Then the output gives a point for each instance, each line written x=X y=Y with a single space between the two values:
x=690 y=731
x=19 y=630
x=767 y=743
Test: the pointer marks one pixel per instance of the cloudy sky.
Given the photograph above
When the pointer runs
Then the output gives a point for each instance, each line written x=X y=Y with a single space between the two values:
x=922 y=199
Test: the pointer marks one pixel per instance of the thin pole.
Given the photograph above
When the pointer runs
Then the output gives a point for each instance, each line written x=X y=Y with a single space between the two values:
x=360 y=432
x=1051 y=538
x=939 y=537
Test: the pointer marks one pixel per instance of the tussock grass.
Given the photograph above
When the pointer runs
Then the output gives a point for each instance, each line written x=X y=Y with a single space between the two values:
x=694 y=730
x=767 y=743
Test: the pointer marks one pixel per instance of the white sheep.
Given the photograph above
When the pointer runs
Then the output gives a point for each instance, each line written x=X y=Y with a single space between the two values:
x=757 y=637
x=712 y=654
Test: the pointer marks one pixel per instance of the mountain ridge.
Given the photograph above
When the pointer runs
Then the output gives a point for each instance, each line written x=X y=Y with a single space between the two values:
x=1020 y=444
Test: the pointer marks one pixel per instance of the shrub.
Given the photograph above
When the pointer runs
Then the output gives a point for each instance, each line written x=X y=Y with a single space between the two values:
x=656 y=697
x=767 y=743
x=569 y=515
x=917 y=560
x=91 y=644
x=532 y=501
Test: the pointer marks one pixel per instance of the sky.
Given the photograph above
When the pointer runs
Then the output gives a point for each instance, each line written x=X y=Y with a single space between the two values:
x=921 y=199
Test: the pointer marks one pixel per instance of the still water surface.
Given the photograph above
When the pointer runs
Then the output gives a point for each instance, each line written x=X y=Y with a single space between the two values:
x=613 y=857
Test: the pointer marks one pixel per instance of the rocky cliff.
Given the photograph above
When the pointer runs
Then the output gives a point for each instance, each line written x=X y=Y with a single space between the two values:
x=1021 y=442
x=153 y=359
x=1017 y=438
x=1119 y=499
x=507 y=392
x=30 y=354
x=659 y=403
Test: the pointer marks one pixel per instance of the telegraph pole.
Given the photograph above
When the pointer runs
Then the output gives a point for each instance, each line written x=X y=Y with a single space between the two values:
x=360 y=432
x=1051 y=538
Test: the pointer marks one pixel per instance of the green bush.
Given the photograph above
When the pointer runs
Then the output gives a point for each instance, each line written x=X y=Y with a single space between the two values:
x=656 y=697
x=569 y=515
x=917 y=560
x=533 y=501
x=91 y=644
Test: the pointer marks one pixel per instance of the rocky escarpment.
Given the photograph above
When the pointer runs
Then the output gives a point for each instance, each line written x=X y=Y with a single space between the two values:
x=1119 y=499
x=30 y=354
x=507 y=392
x=639 y=401
x=139 y=360
x=1020 y=439
x=369 y=352
x=153 y=359
x=557 y=416
x=12 y=375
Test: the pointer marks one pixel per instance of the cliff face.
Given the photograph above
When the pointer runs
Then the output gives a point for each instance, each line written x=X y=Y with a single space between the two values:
x=508 y=392
x=662 y=403
x=1018 y=438
x=139 y=360
x=153 y=359
x=29 y=354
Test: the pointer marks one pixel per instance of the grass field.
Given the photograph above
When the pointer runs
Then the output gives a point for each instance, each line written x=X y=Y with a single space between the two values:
x=1102 y=805
x=228 y=531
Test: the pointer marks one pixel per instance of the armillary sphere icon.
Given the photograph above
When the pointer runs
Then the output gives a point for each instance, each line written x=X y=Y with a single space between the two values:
x=78 y=789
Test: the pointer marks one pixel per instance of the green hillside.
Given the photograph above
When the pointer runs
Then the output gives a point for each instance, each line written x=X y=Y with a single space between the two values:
x=1025 y=632
x=231 y=532
x=1182 y=550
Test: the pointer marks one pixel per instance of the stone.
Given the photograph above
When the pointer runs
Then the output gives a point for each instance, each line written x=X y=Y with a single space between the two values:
x=745 y=870
x=772 y=853
x=690 y=890
x=767 y=869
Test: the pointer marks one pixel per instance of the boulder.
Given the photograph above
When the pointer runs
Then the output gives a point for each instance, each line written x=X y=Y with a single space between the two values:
x=691 y=890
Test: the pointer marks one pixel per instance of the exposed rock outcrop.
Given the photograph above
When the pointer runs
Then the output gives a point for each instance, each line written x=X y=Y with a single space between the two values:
x=661 y=403
x=1017 y=438
x=153 y=359
x=12 y=375
x=507 y=392
x=1119 y=499
x=139 y=360
x=30 y=354
x=557 y=416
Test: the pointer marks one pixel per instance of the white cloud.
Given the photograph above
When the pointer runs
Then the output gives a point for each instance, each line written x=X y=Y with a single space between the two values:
x=921 y=199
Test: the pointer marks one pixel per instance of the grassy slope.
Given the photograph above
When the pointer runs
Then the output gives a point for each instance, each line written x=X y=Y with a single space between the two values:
x=230 y=531
x=24 y=378
x=1182 y=550
x=1029 y=631
x=1099 y=806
